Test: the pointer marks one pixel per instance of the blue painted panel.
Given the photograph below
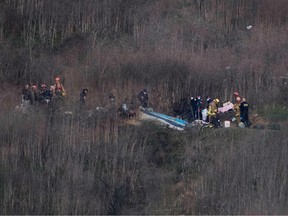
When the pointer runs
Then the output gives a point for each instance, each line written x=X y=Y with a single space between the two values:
x=169 y=119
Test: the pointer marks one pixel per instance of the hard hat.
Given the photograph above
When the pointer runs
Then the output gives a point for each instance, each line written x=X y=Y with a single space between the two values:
x=238 y=99
x=57 y=79
x=235 y=93
x=216 y=100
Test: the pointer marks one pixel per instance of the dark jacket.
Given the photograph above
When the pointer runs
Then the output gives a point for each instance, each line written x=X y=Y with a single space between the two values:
x=244 y=109
x=27 y=95
x=83 y=95
x=143 y=96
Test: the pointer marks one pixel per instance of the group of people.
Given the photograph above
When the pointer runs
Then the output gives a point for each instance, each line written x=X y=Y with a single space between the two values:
x=241 y=108
x=207 y=110
x=41 y=94
x=198 y=109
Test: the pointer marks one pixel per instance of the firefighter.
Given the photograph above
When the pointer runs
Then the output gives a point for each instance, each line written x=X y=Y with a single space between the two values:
x=59 y=88
x=236 y=95
x=208 y=101
x=212 y=113
x=237 y=110
x=244 y=115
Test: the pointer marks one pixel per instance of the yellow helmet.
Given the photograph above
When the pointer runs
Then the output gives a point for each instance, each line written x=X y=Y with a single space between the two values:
x=216 y=100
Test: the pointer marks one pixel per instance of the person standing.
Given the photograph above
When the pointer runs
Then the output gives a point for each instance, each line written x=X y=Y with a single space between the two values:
x=193 y=103
x=212 y=113
x=83 y=95
x=236 y=95
x=41 y=94
x=48 y=95
x=237 y=110
x=199 y=108
x=26 y=95
x=143 y=98
x=26 y=98
x=208 y=101
x=59 y=89
x=244 y=112
x=34 y=93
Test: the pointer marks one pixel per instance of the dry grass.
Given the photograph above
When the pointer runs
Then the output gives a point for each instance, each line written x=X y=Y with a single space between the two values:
x=55 y=164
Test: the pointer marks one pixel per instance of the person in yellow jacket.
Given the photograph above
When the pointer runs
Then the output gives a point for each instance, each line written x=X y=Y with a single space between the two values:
x=212 y=112
x=237 y=109
x=59 y=88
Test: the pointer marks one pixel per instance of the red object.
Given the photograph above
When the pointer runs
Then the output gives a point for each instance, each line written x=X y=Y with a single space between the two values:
x=236 y=94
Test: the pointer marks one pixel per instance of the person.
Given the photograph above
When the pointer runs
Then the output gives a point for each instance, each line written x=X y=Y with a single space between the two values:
x=59 y=88
x=212 y=113
x=41 y=93
x=237 y=110
x=83 y=95
x=199 y=108
x=112 y=99
x=125 y=111
x=236 y=95
x=208 y=101
x=244 y=115
x=26 y=95
x=111 y=106
x=193 y=103
x=26 y=98
x=34 y=94
x=48 y=95
x=143 y=98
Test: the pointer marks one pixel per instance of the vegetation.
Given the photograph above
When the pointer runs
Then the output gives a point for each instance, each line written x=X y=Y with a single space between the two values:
x=53 y=164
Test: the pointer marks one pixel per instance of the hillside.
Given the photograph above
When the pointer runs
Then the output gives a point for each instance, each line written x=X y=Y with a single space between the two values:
x=52 y=163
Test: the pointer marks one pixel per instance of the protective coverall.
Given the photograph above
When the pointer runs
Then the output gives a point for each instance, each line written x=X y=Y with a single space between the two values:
x=237 y=112
x=212 y=113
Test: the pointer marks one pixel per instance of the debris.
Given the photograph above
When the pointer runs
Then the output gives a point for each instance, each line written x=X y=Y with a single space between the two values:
x=227 y=124
x=249 y=27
